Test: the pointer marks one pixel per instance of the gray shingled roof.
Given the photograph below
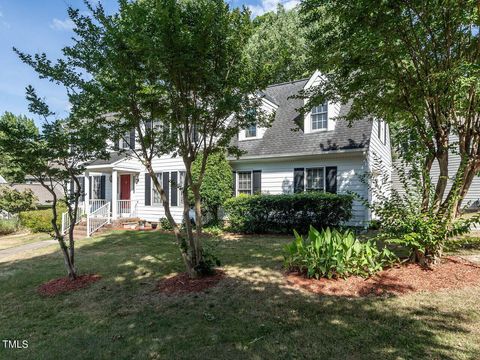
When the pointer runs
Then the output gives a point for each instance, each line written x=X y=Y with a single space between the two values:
x=44 y=197
x=282 y=138
x=114 y=157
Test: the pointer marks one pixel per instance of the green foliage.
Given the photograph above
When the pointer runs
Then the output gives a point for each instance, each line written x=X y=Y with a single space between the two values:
x=413 y=64
x=404 y=223
x=278 y=46
x=13 y=201
x=333 y=253
x=213 y=229
x=284 y=213
x=209 y=260
x=165 y=224
x=216 y=186
x=8 y=226
x=40 y=220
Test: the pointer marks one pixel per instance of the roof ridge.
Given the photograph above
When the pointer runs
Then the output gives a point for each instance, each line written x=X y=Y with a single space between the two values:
x=287 y=82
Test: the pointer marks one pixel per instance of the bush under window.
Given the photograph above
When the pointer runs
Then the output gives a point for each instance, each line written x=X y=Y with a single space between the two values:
x=285 y=213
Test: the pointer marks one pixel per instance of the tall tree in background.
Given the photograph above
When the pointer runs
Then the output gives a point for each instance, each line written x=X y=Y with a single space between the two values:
x=278 y=46
x=175 y=72
x=414 y=64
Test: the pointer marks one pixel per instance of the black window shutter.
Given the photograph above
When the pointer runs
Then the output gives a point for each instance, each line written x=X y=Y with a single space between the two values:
x=148 y=189
x=132 y=139
x=116 y=145
x=90 y=188
x=257 y=182
x=331 y=179
x=72 y=187
x=298 y=180
x=174 y=192
x=234 y=184
x=166 y=184
x=82 y=186
x=102 y=187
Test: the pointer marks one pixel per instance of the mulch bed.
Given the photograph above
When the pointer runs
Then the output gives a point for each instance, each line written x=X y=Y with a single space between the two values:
x=62 y=285
x=183 y=284
x=451 y=273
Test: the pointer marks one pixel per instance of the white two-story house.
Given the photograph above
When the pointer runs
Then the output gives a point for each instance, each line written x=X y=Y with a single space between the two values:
x=315 y=151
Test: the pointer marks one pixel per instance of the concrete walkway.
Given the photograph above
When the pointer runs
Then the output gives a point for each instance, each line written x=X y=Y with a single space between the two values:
x=22 y=248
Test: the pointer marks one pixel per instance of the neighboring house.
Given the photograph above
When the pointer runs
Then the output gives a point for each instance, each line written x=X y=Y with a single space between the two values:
x=44 y=198
x=297 y=153
x=471 y=200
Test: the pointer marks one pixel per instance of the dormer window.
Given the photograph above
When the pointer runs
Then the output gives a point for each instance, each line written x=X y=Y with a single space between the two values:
x=251 y=131
x=320 y=117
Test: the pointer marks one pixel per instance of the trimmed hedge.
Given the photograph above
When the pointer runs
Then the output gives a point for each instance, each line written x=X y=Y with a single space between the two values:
x=284 y=213
x=8 y=226
x=40 y=220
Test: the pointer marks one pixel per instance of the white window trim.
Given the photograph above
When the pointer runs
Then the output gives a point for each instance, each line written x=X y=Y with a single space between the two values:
x=308 y=129
x=92 y=192
x=311 y=118
x=324 y=177
x=153 y=189
x=237 y=181
x=179 y=191
x=251 y=137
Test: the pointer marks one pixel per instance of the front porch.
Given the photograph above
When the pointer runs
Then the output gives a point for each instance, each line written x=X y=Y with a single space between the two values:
x=109 y=194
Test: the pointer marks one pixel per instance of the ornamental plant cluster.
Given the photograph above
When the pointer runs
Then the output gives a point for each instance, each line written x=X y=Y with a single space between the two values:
x=284 y=213
x=335 y=254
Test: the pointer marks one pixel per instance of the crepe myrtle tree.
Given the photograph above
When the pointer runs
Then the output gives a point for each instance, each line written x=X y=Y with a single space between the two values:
x=174 y=71
x=54 y=157
x=413 y=64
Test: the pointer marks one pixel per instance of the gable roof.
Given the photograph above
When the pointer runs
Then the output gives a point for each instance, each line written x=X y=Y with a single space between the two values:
x=284 y=136
x=43 y=195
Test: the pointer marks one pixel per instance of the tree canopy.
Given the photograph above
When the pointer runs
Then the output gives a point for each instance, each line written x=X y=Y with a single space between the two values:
x=278 y=46
x=415 y=65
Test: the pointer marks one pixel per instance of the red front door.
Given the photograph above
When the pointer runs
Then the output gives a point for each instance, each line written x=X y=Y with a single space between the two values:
x=124 y=187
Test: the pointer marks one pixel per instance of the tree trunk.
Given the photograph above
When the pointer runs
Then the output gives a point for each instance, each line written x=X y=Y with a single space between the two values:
x=426 y=181
x=176 y=230
x=442 y=158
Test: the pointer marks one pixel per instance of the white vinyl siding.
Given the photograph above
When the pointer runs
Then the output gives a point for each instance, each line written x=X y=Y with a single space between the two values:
x=278 y=177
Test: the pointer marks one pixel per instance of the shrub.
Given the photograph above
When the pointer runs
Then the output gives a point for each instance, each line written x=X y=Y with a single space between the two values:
x=284 y=213
x=40 y=220
x=332 y=253
x=13 y=201
x=165 y=224
x=8 y=226
x=217 y=183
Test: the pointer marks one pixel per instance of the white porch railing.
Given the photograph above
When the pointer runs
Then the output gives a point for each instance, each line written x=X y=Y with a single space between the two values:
x=66 y=219
x=98 y=218
x=127 y=208
x=96 y=204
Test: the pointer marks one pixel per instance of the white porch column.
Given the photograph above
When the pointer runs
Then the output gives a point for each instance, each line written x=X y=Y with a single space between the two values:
x=87 y=192
x=114 y=194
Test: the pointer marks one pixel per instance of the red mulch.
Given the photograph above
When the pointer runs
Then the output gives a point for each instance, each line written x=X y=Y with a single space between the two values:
x=182 y=283
x=451 y=273
x=58 y=286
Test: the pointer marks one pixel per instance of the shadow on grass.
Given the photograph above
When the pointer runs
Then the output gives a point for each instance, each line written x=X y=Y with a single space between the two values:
x=253 y=313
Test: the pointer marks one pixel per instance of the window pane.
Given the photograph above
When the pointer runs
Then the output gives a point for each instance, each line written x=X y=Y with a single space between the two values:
x=251 y=131
x=319 y=117
x=96 y=187
x=181 y=183
x=315 y=179
x=244 y=182
x=156 y=199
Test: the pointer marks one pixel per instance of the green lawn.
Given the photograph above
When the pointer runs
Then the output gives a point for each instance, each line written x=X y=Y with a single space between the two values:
x=249 y=315
x=9 y=241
